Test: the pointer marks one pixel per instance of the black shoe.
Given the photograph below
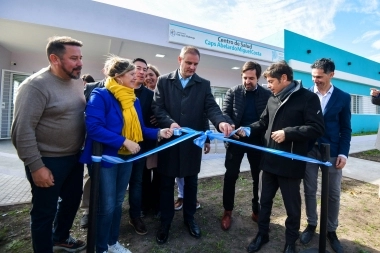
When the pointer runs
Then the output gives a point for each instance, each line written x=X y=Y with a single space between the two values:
x=290 y=248
x=334 y=242
x=256 y=243
x=307 y=234
x=194 y=229
x=84 y=221
x=162 y=233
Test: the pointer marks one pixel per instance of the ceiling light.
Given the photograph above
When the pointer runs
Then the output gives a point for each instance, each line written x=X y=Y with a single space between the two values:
x=160 y=55
x=235 y=68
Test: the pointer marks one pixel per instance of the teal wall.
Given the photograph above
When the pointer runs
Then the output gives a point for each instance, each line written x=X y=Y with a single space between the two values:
x=295 y=47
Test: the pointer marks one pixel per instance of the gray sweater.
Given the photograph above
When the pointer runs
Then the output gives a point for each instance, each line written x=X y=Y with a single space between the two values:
x=48 y=118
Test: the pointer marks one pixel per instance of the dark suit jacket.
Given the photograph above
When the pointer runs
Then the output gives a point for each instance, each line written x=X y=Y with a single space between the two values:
x=337 y=117
x=186 y=107
x=91 y=86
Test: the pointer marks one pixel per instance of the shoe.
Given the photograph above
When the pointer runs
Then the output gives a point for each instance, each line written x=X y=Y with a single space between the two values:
x=157 y=215
x=194 y=229
x=334 y=242
x=307 y=234
x=226 y=220
x=139 y=226
x=255 y=217
x=84 y=221
x=198 y=205
x=290 y=248
x=117 y=248
x=178 y=204
x=70 y=245
x=162 y=233
x=256 y=243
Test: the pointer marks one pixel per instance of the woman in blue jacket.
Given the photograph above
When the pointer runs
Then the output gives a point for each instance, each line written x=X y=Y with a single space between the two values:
x=113 y=118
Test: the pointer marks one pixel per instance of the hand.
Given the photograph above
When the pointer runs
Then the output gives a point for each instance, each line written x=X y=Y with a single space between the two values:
x=133 y=147
x=374 y=92
x=240 y=133
x=225 y=128
x=207 y=148
x=153 y=120
x=166 y=133
x=340 y=162
x=174 y=125
x=43 y=177
x=278 y=136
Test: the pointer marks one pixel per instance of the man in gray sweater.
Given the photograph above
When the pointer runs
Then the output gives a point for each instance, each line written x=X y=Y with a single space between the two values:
x=48 y=132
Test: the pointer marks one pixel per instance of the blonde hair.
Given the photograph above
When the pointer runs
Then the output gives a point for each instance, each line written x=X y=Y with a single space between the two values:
x=116 y=66
x=154 y=69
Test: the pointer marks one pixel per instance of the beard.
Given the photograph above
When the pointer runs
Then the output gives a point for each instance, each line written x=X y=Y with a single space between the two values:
x=72 y=73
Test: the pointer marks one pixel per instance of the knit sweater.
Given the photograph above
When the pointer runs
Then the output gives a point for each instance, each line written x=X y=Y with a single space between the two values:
x=48 y=118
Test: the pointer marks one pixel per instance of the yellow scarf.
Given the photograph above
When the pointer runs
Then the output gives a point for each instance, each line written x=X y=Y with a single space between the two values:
x=126 y=96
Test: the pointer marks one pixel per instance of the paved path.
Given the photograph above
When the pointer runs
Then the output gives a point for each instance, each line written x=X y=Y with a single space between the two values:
x=15 y=188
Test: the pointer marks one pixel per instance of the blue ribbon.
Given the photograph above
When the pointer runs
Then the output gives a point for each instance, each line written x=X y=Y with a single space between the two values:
x=200 y=141
x=178 y=131
x=220 y=136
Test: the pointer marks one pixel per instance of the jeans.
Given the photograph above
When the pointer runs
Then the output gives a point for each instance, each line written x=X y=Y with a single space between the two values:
x=135 y=188
x=113 y=184
x=47 y=211
x=310 y=183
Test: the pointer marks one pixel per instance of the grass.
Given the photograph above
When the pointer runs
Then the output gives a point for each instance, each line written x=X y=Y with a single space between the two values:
x=364 y=133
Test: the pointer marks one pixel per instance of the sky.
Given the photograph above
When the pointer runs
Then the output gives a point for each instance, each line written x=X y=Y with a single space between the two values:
x=352 y=25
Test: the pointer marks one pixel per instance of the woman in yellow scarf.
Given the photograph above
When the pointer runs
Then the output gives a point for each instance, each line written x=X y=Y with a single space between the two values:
x=114 y=118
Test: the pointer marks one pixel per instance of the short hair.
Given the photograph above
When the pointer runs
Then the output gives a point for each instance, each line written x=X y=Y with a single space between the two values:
x=251 y=65
x=327 y=65
x=154 y=69
x=56 y=45
x=88 y=78
x=139 y=59
x=116 y=66
x=189 y=50
x=276 y=70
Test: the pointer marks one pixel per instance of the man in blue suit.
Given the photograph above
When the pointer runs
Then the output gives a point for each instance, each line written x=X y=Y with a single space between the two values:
x=335 y=105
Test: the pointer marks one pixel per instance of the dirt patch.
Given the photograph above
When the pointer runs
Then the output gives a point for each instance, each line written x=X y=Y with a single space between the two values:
x=359 y=229
x=372 y=155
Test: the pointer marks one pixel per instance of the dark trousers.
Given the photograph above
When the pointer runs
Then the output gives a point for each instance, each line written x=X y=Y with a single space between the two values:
x=151 y=190
x=47 y=211
x=167 y=198
x=135 y=188
x=234 y=156
x=290 y=190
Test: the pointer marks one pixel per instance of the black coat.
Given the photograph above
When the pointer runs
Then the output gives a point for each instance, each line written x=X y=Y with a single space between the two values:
x=234 y=106
x=300 y=116
x=186 y=107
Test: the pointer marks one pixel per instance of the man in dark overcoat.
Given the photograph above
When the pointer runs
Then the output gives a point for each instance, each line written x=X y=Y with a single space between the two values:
x=293 y=116
x=182 y=98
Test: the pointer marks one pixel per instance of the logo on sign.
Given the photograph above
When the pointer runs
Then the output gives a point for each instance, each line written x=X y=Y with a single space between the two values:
x=172 y=32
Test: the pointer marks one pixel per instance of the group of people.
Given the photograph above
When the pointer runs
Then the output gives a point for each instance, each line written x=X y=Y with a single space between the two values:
x=134 y=109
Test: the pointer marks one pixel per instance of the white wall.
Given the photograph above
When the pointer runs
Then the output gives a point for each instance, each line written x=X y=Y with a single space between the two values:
x=5 y=58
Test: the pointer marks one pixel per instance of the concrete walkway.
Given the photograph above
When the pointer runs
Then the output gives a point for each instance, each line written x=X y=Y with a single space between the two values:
x=15 y=188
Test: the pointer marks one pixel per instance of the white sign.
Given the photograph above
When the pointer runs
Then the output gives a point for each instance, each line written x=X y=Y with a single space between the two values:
x=189 y=36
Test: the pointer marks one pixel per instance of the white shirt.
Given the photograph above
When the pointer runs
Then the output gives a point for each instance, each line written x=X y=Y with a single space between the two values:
x=324 y=99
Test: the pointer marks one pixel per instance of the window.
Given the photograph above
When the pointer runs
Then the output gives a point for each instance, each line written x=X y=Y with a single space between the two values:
x=363 y=105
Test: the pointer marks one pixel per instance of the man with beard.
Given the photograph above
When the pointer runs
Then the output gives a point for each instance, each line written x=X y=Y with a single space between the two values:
x=48 y=132
x=243 y=104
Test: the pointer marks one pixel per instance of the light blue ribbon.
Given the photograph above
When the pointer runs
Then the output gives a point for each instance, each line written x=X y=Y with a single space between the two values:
x=178 y=131
x=220 y=136
x=200 y=141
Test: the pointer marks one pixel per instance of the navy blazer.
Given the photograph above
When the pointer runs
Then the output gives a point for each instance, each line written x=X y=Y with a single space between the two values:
x=337 y=117
x=104 y=123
